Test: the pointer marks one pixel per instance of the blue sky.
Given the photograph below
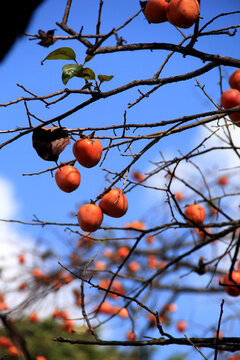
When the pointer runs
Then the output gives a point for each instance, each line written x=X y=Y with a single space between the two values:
x=39 y=195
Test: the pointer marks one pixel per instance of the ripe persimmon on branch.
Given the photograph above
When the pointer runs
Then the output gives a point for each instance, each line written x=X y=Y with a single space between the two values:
x=155 y=221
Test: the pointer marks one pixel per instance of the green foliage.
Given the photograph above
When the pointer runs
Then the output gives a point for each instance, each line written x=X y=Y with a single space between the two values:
x=39 y=338
x=74 y=70
x=64 y=53
x=69 y=71
x=103 y=78
x=88 y=58
x=86 y=73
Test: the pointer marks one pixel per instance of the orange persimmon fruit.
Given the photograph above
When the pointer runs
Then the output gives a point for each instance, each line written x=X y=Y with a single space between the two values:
x=155 y=11
x=5 y=341
x=68 y=178
x=195 y=213
x=181 y=325
x=114 y=203
x=234 y=80
x=183 y=13
x=138 y=176
x=232 y=290
x=33 y=317
x=13 y=351
x=223 y=180
x=134 y=266
x=136 y=224
x=179 y=196
x=88 y=152
x=229 y=99
x=130 y=336
x=90 y=217
x=21 y=258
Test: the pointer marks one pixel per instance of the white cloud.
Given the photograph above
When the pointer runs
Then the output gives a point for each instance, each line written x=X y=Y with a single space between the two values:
x=8 y=204
x=212 y=164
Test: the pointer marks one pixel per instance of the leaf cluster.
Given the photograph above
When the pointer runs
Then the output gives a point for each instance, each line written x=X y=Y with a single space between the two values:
x=75 y=70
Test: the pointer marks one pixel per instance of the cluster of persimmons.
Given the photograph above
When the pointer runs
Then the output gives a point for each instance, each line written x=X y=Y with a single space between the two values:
x=231 y=97
x=181 y=13
x=114 y=203
x=12 y=350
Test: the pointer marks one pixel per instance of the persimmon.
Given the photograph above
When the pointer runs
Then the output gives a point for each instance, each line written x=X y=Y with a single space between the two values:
x=74 y=258
x=22 y=286
x=150 y=239
x=156 y=11
x=137 y=175
x=78 y=301
x=37 y=273
x=152 y=261
x=68 y=178
x=134 y=266
x=90 y=217
x=179 y=196
x=68 y=326
x=107 y=252
x=116 y=287
x=106 y=308
x=76 y=293
x=40 y=357
x=229 y=99
x=234 y=80
x=114 y=203
x=223 y=180
x=5 y=341
x=66 y=278
x=33 y=317
x=63 y=314
x=123 y=313
x=214 y=211
x=153 y=321
x=13 y=351
x=3 y=306
x=195 y=213
x=232 y=290
x=100 y=265
x=123 y=252
x=181 y=325
x=201 y=234
x=234 y=357
x=104 y=283
x=172 y=307
x=161 y=264
x=136 y=224
x=220 y=334
x=88 y=152
x=21 y=258
x=130 y=336
x=183 y=13
x=56 y=313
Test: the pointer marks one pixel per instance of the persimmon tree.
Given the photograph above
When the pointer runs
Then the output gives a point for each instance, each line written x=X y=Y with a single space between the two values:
x=136 y=274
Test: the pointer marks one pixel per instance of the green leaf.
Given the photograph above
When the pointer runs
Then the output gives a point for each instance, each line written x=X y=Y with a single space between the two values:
x=86 y=73
x=69 y=71
x=103 y=78
x=64 y=53
x=88 y=58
